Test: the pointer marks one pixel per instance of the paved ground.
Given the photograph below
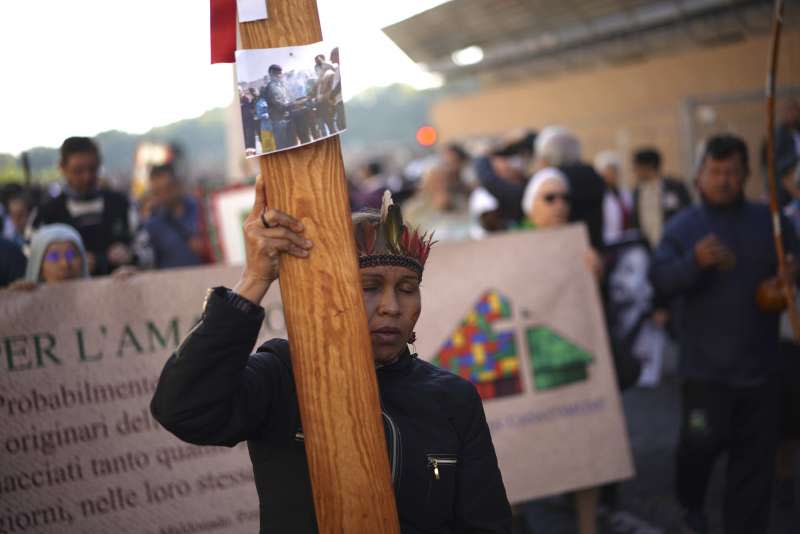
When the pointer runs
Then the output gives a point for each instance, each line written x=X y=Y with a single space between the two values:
x=647 y=502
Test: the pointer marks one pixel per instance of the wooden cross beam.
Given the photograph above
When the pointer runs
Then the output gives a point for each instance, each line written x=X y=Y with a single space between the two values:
x=325 y=316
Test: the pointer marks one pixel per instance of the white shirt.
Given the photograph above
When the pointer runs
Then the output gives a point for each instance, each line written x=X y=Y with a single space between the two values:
x=613 y=219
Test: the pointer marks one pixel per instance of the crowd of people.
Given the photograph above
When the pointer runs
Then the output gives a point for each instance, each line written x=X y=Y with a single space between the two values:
x=710 y=254
x=80 y=229
x=293 y=108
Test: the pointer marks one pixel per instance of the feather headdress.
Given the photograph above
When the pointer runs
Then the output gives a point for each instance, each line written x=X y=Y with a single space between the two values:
x=389 y=241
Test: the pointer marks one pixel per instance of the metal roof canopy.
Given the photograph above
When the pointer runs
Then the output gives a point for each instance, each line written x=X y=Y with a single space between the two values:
x=524 y=37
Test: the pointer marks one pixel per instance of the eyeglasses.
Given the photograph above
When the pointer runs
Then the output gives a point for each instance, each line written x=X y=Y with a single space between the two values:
x=550 y=198
x=53 y=256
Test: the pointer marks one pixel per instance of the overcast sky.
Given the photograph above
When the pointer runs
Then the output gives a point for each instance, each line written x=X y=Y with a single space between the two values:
x=85 y=66
x=254 y=64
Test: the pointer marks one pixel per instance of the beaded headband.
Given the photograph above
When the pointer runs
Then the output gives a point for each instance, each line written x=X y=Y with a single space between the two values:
x=390 y=241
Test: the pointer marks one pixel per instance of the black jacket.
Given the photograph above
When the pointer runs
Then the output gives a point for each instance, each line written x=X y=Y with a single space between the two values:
x=99 y=229
x=12 y=262
x=508 y=194
x=587 y=190
x=213 y=392
x=278 y=101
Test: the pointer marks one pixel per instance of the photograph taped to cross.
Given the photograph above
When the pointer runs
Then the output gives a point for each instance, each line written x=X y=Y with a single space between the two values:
x=289 y=96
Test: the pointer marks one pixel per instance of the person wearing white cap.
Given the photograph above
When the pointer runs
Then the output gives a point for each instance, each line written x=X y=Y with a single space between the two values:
x=546 y=200
x=57 y=254
x=546 y=204
x=484 y=212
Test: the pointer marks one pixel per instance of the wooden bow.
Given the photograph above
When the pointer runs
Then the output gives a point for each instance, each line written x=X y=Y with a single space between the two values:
x=789 y=289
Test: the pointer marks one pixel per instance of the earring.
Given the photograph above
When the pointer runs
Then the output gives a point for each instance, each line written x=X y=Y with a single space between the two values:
x=410 y=342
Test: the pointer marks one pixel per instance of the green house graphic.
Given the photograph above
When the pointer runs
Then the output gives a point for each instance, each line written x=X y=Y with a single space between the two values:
x=555 y=361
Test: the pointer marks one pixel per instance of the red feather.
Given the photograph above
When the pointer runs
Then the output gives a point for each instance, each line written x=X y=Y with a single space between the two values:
x=405 y=241
x=425 y=248
x=369 y=238
x=365 y=238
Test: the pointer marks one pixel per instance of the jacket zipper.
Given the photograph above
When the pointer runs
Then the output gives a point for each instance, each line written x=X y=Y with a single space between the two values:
x=395 y=446
x=299 y=436
x=435 y=460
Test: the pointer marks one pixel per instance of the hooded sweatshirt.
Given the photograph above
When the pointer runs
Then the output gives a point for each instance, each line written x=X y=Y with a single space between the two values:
x=43 y=238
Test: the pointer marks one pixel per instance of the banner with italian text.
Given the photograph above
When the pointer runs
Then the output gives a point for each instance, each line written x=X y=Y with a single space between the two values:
x=517 y=314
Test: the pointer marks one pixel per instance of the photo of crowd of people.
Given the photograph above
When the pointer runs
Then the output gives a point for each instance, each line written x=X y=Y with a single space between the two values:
x=289 y=96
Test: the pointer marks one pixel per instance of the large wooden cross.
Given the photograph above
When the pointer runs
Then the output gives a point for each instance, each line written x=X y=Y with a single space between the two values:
x=325 y=316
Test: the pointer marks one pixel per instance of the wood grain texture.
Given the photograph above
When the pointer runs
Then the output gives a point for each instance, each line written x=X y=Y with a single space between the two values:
x=325 y=316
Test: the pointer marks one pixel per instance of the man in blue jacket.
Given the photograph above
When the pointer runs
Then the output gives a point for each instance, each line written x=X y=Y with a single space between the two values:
x=712 y=258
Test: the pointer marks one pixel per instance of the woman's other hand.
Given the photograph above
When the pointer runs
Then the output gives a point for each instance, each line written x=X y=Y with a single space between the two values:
x=124 y=272
x=594 y=263
x=23 y=285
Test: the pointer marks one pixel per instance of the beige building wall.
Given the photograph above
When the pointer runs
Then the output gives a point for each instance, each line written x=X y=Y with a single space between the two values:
x=623 y=107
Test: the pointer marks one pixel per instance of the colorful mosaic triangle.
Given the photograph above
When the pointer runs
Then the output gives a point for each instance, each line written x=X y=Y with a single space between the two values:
x=474 y=351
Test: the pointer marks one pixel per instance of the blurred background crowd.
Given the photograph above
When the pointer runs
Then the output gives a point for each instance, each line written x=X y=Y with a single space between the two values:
x=462 y=190
x=80 y=226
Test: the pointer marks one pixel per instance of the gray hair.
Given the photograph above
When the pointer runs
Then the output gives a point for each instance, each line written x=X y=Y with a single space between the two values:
x=605 y=159
x=557 y=146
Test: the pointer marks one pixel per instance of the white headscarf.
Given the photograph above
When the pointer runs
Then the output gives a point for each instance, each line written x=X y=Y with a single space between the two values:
x=43 y=238
x=537 y=181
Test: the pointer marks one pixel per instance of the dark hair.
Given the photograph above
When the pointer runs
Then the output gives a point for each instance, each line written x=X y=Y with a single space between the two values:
x=374 y=168
x=648 y=157
x=166 y=168
x=11 y=191
x=274 y=68
x=724 y=146
x=77 y=145
x=522 y=146
x=459 y=151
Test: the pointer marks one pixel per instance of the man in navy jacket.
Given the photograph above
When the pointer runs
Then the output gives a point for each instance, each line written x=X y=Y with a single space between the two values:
x=712 y=259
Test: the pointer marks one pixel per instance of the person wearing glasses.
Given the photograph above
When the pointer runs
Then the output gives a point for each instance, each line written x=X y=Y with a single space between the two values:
x=546 y=205
x=57 y=255
x=559 y=147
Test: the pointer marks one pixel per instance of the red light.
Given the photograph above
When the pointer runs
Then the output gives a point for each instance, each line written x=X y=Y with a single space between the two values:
x=426 y=136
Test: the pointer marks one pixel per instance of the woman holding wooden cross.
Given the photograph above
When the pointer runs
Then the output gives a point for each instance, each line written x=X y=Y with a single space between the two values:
x=214 y=392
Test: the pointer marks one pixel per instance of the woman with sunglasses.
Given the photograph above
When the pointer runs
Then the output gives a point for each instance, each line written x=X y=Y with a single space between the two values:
x=57 y=254
x=546 y=205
